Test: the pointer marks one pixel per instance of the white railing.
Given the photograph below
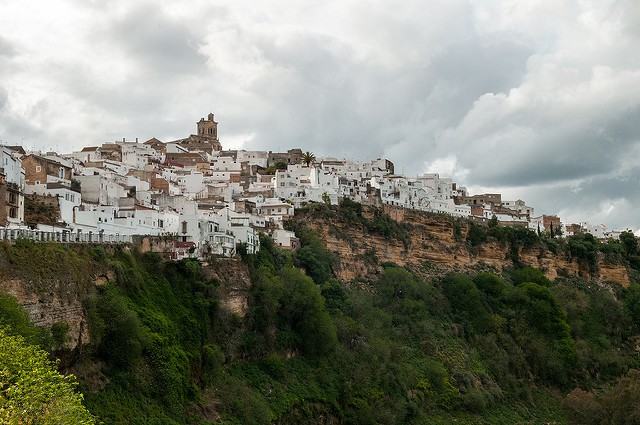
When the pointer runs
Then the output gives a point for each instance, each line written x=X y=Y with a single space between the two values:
x=63 y=236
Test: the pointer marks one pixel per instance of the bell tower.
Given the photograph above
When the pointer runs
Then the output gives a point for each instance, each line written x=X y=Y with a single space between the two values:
x=208 y=128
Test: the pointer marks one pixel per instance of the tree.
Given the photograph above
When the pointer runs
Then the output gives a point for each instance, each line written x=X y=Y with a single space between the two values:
x=115 y=328
x=31 y=389
x=76 y=185
x=304 y=311
x=630 y=242
x=308 y=158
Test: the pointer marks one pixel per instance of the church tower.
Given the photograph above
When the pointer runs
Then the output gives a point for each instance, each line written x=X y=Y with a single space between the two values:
x=209 y=128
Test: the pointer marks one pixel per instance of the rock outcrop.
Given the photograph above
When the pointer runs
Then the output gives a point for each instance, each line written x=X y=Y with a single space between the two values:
x=438 y=245
x=235 y=282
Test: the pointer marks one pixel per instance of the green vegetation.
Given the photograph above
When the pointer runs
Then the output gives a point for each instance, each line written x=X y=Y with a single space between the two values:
x=308 y=158
x=584 y=248
x=514 y=237
x=278 y=166
x=15 y=321
x=395 y=349
x=480 y=349
x=32 y=391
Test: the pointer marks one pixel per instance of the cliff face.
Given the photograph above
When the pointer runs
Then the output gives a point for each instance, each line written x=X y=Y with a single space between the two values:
x=52 y=282
x=436 y=246
x=234 y=283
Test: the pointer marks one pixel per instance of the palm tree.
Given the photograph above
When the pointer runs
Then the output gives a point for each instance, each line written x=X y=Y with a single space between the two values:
x=308 y=158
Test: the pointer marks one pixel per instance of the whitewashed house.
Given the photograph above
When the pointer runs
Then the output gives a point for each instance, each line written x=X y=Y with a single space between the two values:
x=12 y=186
x=259 y=158
x=100 y=189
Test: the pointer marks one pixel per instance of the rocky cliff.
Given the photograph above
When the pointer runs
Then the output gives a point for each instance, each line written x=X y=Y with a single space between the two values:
x=52 y=281
x=235 y=282
x=434 y=244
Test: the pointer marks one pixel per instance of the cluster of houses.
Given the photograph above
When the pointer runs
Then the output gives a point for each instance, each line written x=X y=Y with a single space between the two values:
x=206 y=200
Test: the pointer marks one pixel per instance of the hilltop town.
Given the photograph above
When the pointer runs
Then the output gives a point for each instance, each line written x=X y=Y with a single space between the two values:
x=207 y=200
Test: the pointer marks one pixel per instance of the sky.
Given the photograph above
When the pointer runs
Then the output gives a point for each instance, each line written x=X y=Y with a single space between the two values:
x=538 y=100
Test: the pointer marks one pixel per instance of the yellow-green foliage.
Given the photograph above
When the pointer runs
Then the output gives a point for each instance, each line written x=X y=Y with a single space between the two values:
x=31 y=389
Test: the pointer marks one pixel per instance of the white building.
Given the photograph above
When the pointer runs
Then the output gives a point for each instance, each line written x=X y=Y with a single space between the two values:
x=192 y=185
x=259 y=158
x=100 y=189
x=12 y=177
x=226 y=163
x=442 y=187
x=137 y=155
x=519 y=206
x=285 y=239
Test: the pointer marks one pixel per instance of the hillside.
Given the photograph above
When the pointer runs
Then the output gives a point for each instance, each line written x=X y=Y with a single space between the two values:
x=372 y=321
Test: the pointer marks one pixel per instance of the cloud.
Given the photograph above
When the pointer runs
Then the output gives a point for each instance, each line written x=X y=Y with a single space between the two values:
x=537 y=99
x=571 y=117
x=7 y=49
x=606 y=199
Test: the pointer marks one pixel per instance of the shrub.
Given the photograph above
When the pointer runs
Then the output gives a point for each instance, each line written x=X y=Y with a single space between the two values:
x=17 y=322
x=60 y=334
x=115 y=328
x=476 y=235
x=529 y=274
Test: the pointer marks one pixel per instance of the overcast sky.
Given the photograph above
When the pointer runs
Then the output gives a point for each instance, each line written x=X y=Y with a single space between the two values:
x=539 y=100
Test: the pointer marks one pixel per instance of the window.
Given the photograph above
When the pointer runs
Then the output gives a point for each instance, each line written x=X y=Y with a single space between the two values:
x=38 y=168
x=184 y=227
x=61 y=175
